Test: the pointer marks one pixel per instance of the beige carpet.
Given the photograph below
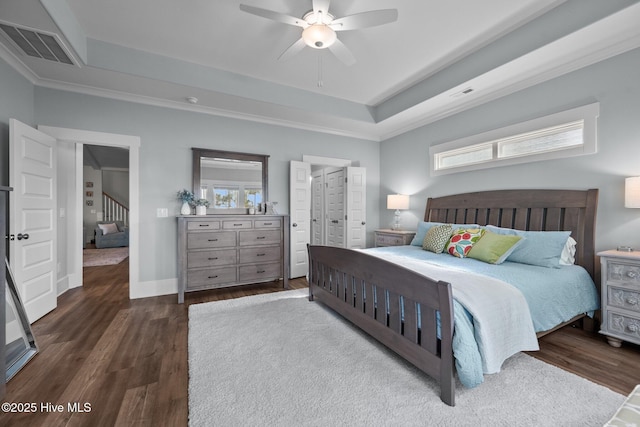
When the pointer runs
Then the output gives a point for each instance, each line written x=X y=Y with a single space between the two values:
x=106 y=256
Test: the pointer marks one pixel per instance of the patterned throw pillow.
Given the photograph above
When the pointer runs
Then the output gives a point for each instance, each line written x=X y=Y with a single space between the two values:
x=437 y=238
x=463 y=240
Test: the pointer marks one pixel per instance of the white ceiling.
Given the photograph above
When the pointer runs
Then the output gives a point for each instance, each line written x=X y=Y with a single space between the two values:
x=162 y=51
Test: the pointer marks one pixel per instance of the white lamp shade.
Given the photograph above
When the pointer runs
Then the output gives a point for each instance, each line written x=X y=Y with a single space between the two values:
x=397 y=201
x=319 y=36
x=632 y=192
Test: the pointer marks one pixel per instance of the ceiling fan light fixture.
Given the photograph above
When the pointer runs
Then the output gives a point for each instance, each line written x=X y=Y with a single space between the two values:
x=319 y=36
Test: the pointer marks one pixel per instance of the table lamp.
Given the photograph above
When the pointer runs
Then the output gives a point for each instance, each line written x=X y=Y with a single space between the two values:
x=397 y=202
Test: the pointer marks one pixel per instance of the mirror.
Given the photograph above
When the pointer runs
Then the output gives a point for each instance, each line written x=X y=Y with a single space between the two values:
x=231 y=182
x=20 y=345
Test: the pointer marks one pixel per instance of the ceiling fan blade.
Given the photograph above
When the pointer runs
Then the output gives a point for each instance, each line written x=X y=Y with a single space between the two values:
x=365 y=19
x=292 y=50
x=321 y=6
x=275 y=16
x=342 y=53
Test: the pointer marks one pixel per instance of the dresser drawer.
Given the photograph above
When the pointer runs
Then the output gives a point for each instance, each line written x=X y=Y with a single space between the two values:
x=238 y=224
x=623 y=273
x=260 y=237
x=211 y=276
x=623 y=325
x=203 y=225
x=260 y=272
x=211 y=258
x=211 y=240
x=267 y=223
x=387 y=240
x=253 y=255
x=623 y=298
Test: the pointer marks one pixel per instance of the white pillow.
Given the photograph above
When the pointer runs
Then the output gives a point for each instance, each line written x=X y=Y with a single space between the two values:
x=109 y=228
x=567 y=257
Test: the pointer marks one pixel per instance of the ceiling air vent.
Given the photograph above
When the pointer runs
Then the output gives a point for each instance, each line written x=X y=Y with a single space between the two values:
x=37 y=43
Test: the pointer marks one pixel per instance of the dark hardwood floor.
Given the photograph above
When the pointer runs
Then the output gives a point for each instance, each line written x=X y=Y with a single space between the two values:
x=127 y=359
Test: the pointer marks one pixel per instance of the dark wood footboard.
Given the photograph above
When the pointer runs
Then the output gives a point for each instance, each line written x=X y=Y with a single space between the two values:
x=394 y=305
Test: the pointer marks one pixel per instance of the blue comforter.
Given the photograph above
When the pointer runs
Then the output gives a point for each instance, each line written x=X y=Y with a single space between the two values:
x=553 y=295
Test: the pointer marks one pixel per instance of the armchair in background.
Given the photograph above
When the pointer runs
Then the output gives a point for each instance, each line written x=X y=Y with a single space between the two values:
x=111 y=234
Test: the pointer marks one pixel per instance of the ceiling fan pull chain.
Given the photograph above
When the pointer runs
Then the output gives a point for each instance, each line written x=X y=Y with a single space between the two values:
x=320 y=83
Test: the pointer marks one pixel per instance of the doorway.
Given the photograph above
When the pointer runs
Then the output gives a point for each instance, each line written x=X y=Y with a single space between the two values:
x=76 y=139
x=105 y=206
x=330 y=209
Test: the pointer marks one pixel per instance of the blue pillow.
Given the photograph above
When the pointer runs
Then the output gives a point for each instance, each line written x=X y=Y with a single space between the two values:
x=542 y=248
x=423 y=227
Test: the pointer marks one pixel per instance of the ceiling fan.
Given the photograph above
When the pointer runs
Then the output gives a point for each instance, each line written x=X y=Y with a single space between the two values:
x=319 y=27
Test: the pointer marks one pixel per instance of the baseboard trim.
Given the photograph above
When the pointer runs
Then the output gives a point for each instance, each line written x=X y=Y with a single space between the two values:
x=154 y=288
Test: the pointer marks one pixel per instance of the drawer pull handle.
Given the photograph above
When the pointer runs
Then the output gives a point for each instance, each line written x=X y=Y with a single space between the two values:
x=261 y=237
x=213 y=240
x=203 y=225
x=237 y=225
x=213 y=258
x=213 y=277
x=632 y=327
x=261 y=271
x=632 y=301
x=268 y=223
x=260 y=254
x=631 y=274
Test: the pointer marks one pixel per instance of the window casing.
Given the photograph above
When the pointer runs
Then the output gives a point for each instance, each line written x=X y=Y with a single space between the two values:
x=565 y=134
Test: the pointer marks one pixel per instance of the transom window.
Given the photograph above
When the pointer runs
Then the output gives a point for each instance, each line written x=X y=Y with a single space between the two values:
x=569 y=133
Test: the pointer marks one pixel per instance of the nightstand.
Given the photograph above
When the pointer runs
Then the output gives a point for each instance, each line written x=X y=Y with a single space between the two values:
x=389 y=237
x=620 y=296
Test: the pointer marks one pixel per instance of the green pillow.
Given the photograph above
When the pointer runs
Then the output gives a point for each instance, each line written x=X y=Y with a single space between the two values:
x=437 y=238
x=494 y=248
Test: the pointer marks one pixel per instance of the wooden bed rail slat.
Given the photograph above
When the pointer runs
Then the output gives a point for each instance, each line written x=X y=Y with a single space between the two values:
x=395 y=318
x=410 y=330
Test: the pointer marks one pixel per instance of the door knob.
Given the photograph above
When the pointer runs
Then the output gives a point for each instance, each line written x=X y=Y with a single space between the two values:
x=363 y=223
x=294 y=225
x=21 y=236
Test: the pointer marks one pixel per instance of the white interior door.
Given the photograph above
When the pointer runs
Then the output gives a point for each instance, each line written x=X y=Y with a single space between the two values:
x=335 y=207
x=32 y=174
x=317 y=208
x=300 y=224
x=356 y=196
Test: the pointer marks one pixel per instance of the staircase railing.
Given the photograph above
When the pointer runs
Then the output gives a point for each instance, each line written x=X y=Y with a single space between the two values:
x=114 y=210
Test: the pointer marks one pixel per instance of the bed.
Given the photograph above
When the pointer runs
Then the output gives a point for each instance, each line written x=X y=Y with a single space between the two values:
x=412 y=309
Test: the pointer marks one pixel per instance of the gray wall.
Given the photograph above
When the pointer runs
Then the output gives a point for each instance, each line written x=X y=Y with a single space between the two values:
x=614 y=83
x=167 y=137
x=16 y=102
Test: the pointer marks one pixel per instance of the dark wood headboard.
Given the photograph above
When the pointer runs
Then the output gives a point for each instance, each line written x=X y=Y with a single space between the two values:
x=535 y=210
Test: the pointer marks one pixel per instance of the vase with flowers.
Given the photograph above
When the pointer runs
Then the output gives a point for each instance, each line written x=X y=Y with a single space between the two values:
x=186 y=197
x=201 y=206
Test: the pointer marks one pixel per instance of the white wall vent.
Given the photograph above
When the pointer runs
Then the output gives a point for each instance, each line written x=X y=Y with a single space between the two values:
x=37 y=44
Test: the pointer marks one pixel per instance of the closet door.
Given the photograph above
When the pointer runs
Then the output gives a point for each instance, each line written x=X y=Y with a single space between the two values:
x=317 y=208
x=356 y=207
x=335 y=201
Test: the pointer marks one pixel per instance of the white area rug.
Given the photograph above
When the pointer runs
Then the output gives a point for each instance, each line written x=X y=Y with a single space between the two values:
x=105 y=256
x=280 y=360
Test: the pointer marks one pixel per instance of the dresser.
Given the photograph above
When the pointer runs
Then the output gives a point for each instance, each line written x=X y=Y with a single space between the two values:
x=217 y=251
x=388 y=237
x=620 y=296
